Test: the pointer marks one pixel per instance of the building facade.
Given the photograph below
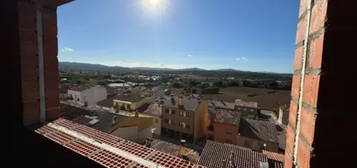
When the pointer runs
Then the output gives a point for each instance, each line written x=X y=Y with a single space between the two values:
x=183 y=117
x=87 y=95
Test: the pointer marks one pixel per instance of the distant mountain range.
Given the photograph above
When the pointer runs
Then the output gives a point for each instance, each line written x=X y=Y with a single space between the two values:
x=75 y=66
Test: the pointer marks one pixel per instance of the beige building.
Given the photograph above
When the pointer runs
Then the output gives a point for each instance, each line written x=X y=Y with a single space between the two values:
x=184 y=117
x=136 y=129
x=130 y=101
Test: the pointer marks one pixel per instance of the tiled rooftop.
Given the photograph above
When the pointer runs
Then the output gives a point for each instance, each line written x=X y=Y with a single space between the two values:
x=81 y=87
x=221 y=104
x=276 y=160
x=223 y=115
x=173 y=149
x=220 y=155
x=106 y=103
x=130 y=97
x=84 y=116
x=190 y=103
x=242 y=103
x=262 y=130
x=108 y=150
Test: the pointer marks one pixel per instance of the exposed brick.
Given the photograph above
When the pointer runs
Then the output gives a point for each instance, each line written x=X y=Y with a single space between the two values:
x=295 y=86
x=303 y=155
x=307 y=127
x=300 y=33
x=290 y=136
x=318 y=17
x=311 y=88
x=293 y=112
x=288 y=162
x=299 y=53
x=316 y=51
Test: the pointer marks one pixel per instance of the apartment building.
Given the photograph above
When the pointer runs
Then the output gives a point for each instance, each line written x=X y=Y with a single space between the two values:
x=130 y=100
x=184 y=117
x=224 y=122
x=87 y=95
x=248 y=109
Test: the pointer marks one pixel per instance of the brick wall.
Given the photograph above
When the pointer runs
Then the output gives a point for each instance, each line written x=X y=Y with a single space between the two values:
x=29 y=55
x=324 y=111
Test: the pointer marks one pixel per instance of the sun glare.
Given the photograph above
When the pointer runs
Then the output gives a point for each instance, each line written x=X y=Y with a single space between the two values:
x=155 y=5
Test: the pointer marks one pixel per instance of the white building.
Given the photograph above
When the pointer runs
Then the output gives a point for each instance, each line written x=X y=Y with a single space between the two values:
x=87 y=95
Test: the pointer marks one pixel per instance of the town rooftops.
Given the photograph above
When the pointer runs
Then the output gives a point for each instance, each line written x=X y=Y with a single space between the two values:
x=227 y=116
x=100 y=120
x=80 y=88
x=106 y=103
x=129 y=97
x=108 y=150
x=276 y=160
x=173 y=149
x=190 y=103
x=262 y=130
x=220 y=155
x=242 y=103
x=221 y=104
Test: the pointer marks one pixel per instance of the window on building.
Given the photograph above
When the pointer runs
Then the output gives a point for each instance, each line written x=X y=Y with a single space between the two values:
x=183 y=125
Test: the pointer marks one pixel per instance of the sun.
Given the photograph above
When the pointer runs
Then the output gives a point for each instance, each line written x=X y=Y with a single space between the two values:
x=155 y=5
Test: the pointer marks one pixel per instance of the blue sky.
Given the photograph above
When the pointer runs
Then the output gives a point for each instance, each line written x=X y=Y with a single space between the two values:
x=254 y=35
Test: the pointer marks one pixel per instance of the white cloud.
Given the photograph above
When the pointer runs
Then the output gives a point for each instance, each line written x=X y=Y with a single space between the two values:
x=244 y=59
x=189 y=55
x=66 y=49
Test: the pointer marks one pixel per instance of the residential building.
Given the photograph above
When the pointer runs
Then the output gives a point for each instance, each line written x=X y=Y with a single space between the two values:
x=224 y=123
x=153 y=110
x=221 y=155
x=184 y=117
x=258 y=135
x=136 y=129
x=248 y=109
x=131 y=100
x=87 y=95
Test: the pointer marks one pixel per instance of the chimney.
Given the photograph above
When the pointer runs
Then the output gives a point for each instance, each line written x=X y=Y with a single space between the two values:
x=181 y=148
x=114 y=120
x=180 y=102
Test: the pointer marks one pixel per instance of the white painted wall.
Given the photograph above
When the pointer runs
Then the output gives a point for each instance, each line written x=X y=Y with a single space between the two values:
x=91 y=95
